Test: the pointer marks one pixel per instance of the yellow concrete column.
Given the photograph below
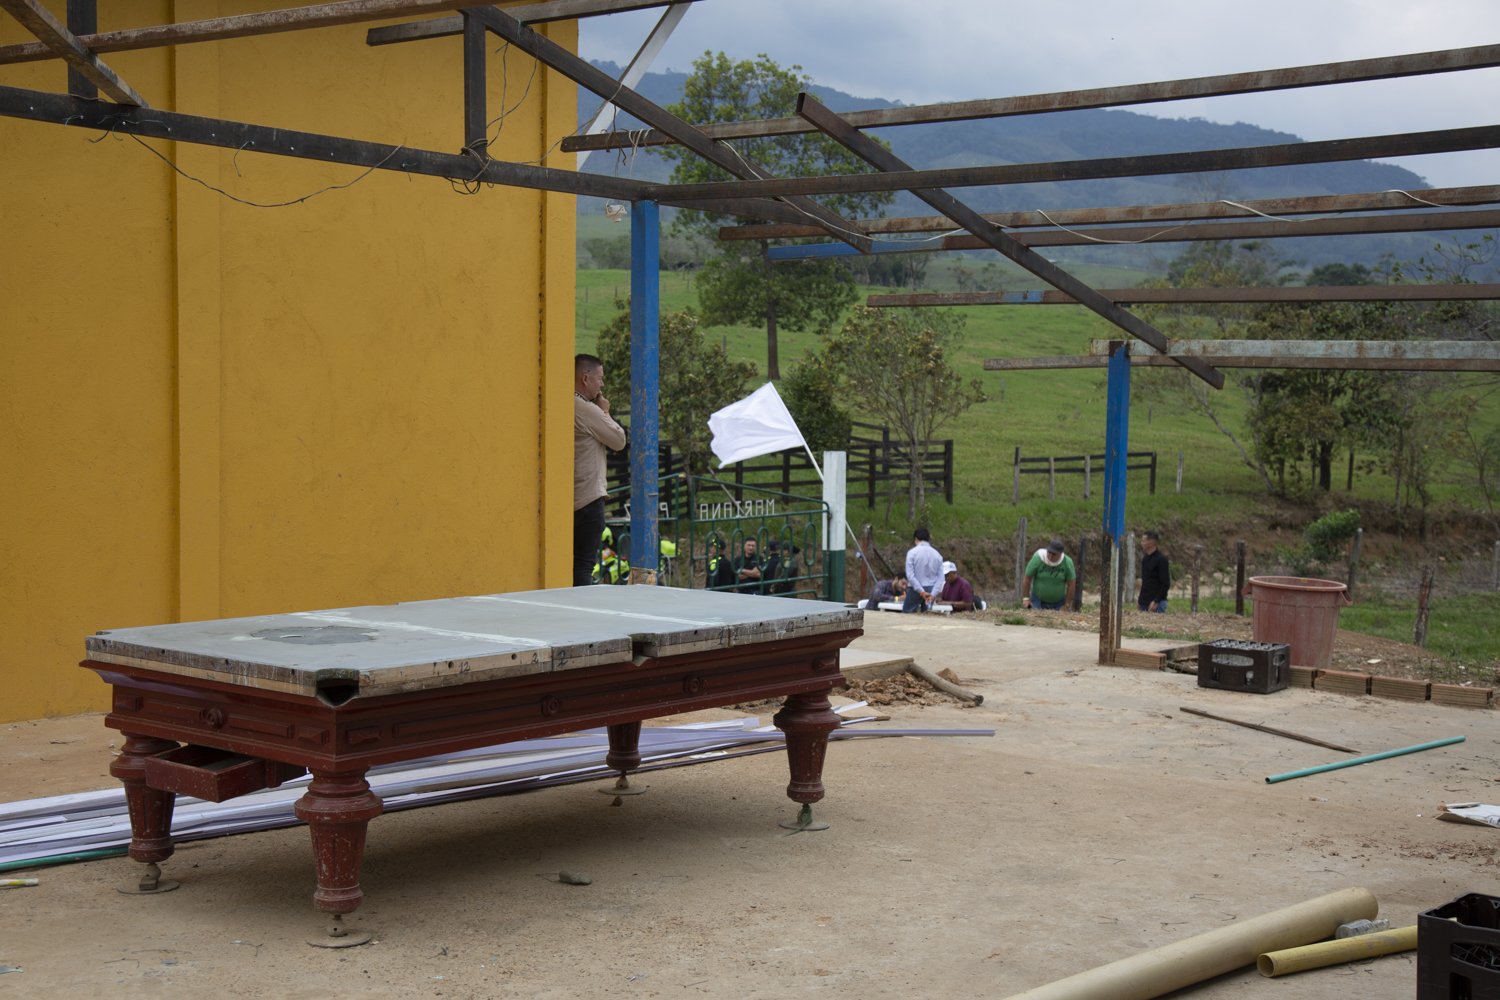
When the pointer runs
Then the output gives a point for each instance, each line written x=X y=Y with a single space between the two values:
x=558 y=316
x=195 y=89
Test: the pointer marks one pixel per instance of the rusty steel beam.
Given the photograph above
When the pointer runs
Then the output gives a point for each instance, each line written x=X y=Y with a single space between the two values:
x=1347 y=225
x=585 y=75
x=1158 y=296
x=1341 y=355
x=1424 y=198
x=1383 y=68
x=61 y=42
x=882 y=158
x=320 y=15
x=1157 y=164
x=1374 y=351
x=556 y=10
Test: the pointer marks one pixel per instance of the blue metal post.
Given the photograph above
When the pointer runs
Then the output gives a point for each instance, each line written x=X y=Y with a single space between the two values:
x=1116 y=439
x=645 y=357
x=1116 y=447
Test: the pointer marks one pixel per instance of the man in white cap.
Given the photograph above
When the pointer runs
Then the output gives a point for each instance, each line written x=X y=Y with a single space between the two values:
x=957 y=593
x=1050 y=579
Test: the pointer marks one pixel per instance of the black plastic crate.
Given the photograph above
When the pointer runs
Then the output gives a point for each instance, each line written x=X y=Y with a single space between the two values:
x=1458 y=950
x=1234 y=665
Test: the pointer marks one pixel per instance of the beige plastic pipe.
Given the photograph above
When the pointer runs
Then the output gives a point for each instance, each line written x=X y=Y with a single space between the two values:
x=1350 y=949
x=1171 y=967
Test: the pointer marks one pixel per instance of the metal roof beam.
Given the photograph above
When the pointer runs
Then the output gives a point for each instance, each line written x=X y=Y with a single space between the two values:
x=319 y=15
x=877 y=155
x=1338 y=355
x=1425 y=198
x=1260 y=229
x=59 y=109
x=554 y=10
x=1157 y=296
x=64 y=44
x=586 y=75
x=1383 y=68
x=1157 y=164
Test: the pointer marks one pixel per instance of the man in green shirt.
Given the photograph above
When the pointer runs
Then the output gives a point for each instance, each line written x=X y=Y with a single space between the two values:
x=1050 y=579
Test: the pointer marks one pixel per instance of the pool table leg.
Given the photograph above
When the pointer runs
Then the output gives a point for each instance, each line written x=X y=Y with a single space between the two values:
x=624 y=756
x=150 y=809
x=806 y=719
x=336 y=808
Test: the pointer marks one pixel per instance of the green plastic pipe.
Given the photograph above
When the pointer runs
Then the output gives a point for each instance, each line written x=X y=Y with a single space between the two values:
x=63 y=859
x=1271 y=779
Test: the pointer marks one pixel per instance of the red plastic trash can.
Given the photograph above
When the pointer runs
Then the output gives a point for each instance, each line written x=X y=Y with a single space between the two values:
x=1301 y=612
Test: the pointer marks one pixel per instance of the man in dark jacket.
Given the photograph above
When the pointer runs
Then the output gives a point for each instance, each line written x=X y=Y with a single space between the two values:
x=1156 y=576
x=720 y=573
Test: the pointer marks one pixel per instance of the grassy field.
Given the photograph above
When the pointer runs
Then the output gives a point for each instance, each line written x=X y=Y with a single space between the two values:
x=1044 y=412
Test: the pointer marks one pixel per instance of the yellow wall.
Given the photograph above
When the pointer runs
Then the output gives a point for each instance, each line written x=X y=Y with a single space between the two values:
x=211 y=409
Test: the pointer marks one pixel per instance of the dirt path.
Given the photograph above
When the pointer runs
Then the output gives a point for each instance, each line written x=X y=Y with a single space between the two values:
x=1099 y=822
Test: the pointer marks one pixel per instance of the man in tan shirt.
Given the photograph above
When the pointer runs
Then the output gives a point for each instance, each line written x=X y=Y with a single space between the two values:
x=593 y=431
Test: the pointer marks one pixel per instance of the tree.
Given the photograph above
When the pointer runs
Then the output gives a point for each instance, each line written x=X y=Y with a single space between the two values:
x=738 y=284
x=1311 y=413
x=695 y=377
x=810 y=392
x=895 y=363
x=1209 y=265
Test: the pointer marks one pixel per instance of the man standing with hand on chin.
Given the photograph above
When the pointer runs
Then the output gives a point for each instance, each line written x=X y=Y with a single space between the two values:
x=924 y=572
x=593 y=431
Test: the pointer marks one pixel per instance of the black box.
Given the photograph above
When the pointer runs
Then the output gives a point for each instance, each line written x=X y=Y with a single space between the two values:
x=1232 y=665
x=1458 y=950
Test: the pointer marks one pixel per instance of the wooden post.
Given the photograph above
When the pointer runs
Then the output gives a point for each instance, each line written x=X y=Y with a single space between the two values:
x=1359 y=534
x=1239 y=577
x=1197 y=571
x=1052 y=477
x=866 y=545
x=1128 y=582
x=1424 y=597
x=1083 y=548
x=1349 y=482
x=1020 y=551
x=948 y=470
x=1088 y=477
x=1179 y=474
x=1015 y=485
x=1495 y=568
x=1116 y=452
x=1153 y=473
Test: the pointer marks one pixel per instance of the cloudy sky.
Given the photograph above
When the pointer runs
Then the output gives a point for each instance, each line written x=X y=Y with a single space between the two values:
x=922 y=51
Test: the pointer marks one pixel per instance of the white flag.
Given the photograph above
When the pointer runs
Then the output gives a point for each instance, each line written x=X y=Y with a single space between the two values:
x=759 y=424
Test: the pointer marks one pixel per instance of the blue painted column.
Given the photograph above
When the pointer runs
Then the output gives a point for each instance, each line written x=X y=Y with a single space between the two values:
x=645 y=380
x=1116 y=447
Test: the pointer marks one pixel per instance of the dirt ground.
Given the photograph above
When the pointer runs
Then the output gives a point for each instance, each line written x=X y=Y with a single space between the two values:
x=1098 y=822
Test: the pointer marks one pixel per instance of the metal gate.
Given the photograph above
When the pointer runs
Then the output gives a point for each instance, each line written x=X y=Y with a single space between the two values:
x=704 y=524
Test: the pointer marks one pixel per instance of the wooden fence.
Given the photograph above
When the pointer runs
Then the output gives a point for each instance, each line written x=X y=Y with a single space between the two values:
x=876 y=463
x=1053 y=466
